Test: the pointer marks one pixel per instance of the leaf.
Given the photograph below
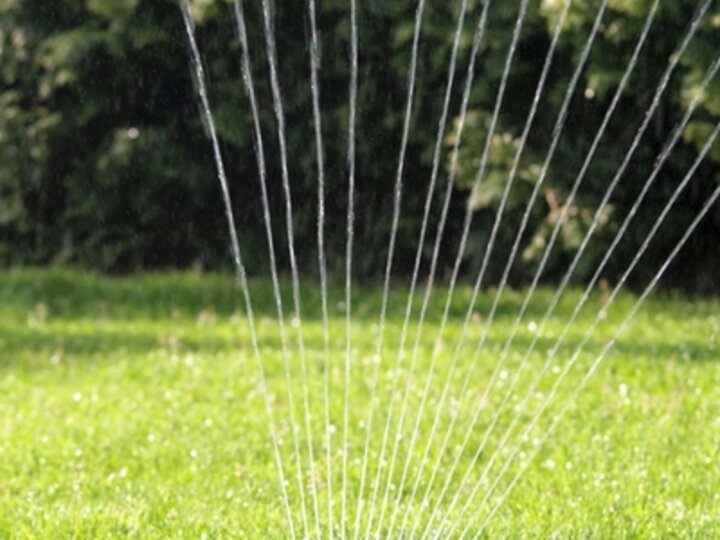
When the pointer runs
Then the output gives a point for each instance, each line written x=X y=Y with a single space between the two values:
x=112 y=9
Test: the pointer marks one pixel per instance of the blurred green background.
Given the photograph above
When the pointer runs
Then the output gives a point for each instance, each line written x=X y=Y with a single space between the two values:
x=105 y=162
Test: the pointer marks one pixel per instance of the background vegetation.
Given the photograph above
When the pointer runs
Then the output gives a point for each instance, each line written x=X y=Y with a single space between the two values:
x=104 y=161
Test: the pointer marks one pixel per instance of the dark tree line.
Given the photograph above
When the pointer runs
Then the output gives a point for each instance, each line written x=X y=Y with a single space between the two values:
x=104 y=159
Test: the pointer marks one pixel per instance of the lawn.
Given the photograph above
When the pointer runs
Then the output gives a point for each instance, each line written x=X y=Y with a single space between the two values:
x=131 y=407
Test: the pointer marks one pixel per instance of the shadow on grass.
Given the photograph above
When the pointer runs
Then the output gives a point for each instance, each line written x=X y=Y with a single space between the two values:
x=89 y=314
x=78 y=293
x=94 y=342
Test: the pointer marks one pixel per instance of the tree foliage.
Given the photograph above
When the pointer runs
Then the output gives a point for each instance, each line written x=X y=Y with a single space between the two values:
x=104 y=159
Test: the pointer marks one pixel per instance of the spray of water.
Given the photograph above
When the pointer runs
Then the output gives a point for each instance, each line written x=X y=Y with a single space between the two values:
x=466 y=230
x=619 y=330
x=426 y=391
x=280 y=119
x=237 y=257
x=385 y=514
x=423 y=229
x=350 y=234
x=598 y=272
x=660 y=90
x=394 y=228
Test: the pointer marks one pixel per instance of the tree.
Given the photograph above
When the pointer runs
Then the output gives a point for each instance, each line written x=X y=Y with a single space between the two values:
x=105 y=161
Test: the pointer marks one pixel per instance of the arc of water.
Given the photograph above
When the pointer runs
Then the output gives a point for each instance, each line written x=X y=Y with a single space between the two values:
x=389 y=263
x=280 y=119
x=477 y=41
x=621 y=327
x=496 y=224
x=322 y=260
x=468 y=218
x=589 y=288
x=578 y=180
x=649 y=182
x=598 y=272
x=426 y=391
x=442 y=124
x=267 y=220
x=350 y=225
x=296 y=297
x=237 y=257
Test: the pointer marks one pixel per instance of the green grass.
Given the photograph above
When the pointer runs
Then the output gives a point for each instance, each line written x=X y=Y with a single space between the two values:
x=131 y=408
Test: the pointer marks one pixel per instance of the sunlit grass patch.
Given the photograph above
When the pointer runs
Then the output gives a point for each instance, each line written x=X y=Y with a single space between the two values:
x=132 y=407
